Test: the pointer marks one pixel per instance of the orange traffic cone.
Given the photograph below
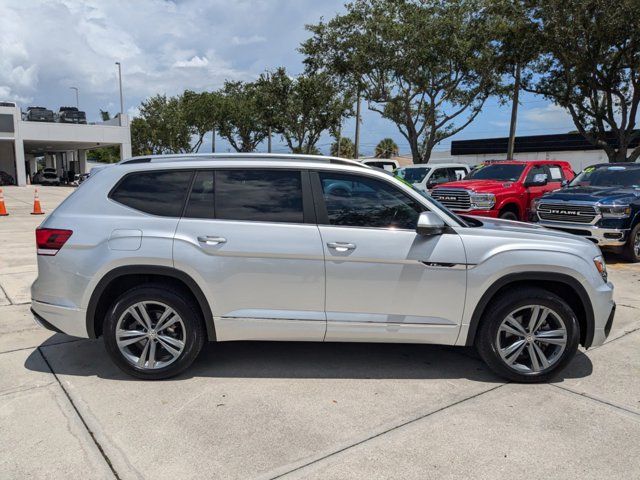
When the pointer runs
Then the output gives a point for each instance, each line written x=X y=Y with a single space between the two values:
x=37 y=209
x=3 y=209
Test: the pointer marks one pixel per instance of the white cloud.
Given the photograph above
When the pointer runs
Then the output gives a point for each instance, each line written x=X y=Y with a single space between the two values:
x=235 y=40
x=194 y=62
x=551 y=115
x=163 y=46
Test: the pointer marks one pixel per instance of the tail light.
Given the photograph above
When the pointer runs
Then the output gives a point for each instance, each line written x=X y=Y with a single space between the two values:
x=50 y=240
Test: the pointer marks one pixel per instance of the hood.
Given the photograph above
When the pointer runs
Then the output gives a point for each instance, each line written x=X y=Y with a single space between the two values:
x=594 y=194
x=480 y=186
x=527 y=231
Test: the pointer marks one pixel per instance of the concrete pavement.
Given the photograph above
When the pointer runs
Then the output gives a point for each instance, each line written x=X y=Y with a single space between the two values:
x=276 y=410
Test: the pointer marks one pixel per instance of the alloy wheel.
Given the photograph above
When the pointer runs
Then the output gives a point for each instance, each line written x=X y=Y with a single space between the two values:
x=531 y=339
x=150 y=335
x=636 y=244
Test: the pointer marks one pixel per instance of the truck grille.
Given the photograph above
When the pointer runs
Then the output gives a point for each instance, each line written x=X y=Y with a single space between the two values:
x=453 y=198
x=565 y=212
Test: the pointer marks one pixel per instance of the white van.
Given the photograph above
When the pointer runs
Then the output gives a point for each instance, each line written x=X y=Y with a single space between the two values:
x=425 y=177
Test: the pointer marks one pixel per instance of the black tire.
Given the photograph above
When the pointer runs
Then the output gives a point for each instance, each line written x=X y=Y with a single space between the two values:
x=630 y=253
x=503 y=306
x=191 y=330
x=508 y=215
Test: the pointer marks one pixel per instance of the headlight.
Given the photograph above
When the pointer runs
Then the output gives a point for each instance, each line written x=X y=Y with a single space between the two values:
x=483 y=200
x=601 y=267
x=615 y=211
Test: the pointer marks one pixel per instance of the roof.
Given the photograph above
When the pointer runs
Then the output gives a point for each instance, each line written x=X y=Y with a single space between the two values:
x=284 y=157
x=434 y=164
x=524 y=162
x=616 y=164
x=564 y=142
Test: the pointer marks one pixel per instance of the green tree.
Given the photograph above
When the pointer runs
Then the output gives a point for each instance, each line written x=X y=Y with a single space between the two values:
x=241 y=121
x=305 y=106
x=162 y=127
x=386 y=148
x=428 y=66
x=347 y=148
x=202 y=112
x=590 y=65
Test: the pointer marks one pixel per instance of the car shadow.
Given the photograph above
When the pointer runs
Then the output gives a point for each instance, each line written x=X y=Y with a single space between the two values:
x=294 y=360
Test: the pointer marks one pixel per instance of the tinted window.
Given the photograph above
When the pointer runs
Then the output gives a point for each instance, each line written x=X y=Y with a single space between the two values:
x=609 y=176
x=502 y=172
x=540 y=169
x=259 y=195
x=201 y=199
x=356 y=201
x=158 y=193
x=415 y=175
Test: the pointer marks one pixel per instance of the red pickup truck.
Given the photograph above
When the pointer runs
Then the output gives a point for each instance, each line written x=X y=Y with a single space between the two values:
x=504 y=189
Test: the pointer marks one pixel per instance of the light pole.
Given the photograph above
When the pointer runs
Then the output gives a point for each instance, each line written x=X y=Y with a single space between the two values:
x=77 y=100
x=120 y=84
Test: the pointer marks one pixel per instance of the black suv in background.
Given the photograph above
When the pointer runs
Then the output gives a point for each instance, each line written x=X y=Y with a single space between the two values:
x=39 y=114
x=71 y=115
x=602 y=204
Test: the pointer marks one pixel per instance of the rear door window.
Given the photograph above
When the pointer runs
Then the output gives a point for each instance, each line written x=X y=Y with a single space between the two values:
x=160 y=193
x=258 y=195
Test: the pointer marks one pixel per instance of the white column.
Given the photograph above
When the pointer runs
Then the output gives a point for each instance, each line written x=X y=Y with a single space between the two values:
x=125 y=151
x=82 y=161
x=21 y=175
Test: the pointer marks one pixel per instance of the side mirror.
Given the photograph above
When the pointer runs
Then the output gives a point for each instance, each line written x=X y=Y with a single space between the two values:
x=430 y=224
x=538 y=180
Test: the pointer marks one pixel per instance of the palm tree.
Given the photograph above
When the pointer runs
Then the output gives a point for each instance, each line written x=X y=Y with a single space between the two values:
x=347 y=148
x=387 y=148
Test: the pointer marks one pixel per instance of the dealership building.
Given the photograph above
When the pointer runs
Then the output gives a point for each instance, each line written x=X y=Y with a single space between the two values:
x=62 y=146
x=572 y=147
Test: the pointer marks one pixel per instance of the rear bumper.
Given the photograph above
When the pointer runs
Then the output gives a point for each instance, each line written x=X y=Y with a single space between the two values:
x=604 y=237
x=70 y=321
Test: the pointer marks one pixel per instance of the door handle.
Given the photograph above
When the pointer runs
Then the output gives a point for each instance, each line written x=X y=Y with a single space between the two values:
x=341 y=246
x=212 y=240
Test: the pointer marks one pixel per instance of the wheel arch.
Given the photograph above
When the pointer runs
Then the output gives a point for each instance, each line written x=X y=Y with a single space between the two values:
x=512 y=206
x=566 y=286
x=118 y=280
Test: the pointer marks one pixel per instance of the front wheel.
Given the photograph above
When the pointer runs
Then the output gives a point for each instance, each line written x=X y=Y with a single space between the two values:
x=153 y=332
x=528 y=335
x=632 y=247
x=508 y=215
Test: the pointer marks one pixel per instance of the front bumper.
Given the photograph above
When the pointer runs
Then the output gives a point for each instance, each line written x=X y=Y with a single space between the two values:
x=71 y=321
x=604 y=237
x=604 y=309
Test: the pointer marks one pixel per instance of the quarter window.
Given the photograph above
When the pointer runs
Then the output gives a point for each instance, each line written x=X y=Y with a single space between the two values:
x=356 y=201
x=158 y=193
x=258 y=195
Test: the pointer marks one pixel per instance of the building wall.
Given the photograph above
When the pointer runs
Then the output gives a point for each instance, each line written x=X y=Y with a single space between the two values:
x=579 y=160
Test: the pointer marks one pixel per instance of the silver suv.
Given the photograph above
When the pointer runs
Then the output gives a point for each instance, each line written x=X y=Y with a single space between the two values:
x=160 y=254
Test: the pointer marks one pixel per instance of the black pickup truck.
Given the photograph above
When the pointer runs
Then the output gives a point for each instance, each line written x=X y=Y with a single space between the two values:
x=602 y=204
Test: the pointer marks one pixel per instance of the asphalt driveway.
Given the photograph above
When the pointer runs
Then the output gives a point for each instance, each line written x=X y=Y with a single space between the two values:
x=323 y=411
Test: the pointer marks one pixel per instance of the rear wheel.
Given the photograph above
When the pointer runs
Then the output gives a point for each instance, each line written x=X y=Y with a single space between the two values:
x=528 y=335
x=153 y=332
x=632 y=247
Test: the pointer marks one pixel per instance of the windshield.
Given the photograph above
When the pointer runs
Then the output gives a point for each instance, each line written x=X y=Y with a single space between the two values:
x=508 y=172
x=414 y=175
x=613 y=176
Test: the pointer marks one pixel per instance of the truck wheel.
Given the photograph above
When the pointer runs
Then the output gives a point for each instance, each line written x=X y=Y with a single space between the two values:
x=632 y=247
x=508 y=215
x=153 y=332
x=528 y=335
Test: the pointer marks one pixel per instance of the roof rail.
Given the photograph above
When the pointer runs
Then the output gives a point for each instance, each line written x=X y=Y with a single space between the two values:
x=286 y=157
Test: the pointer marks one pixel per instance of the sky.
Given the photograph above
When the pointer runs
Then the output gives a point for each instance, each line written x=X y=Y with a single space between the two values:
x=48 y=46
